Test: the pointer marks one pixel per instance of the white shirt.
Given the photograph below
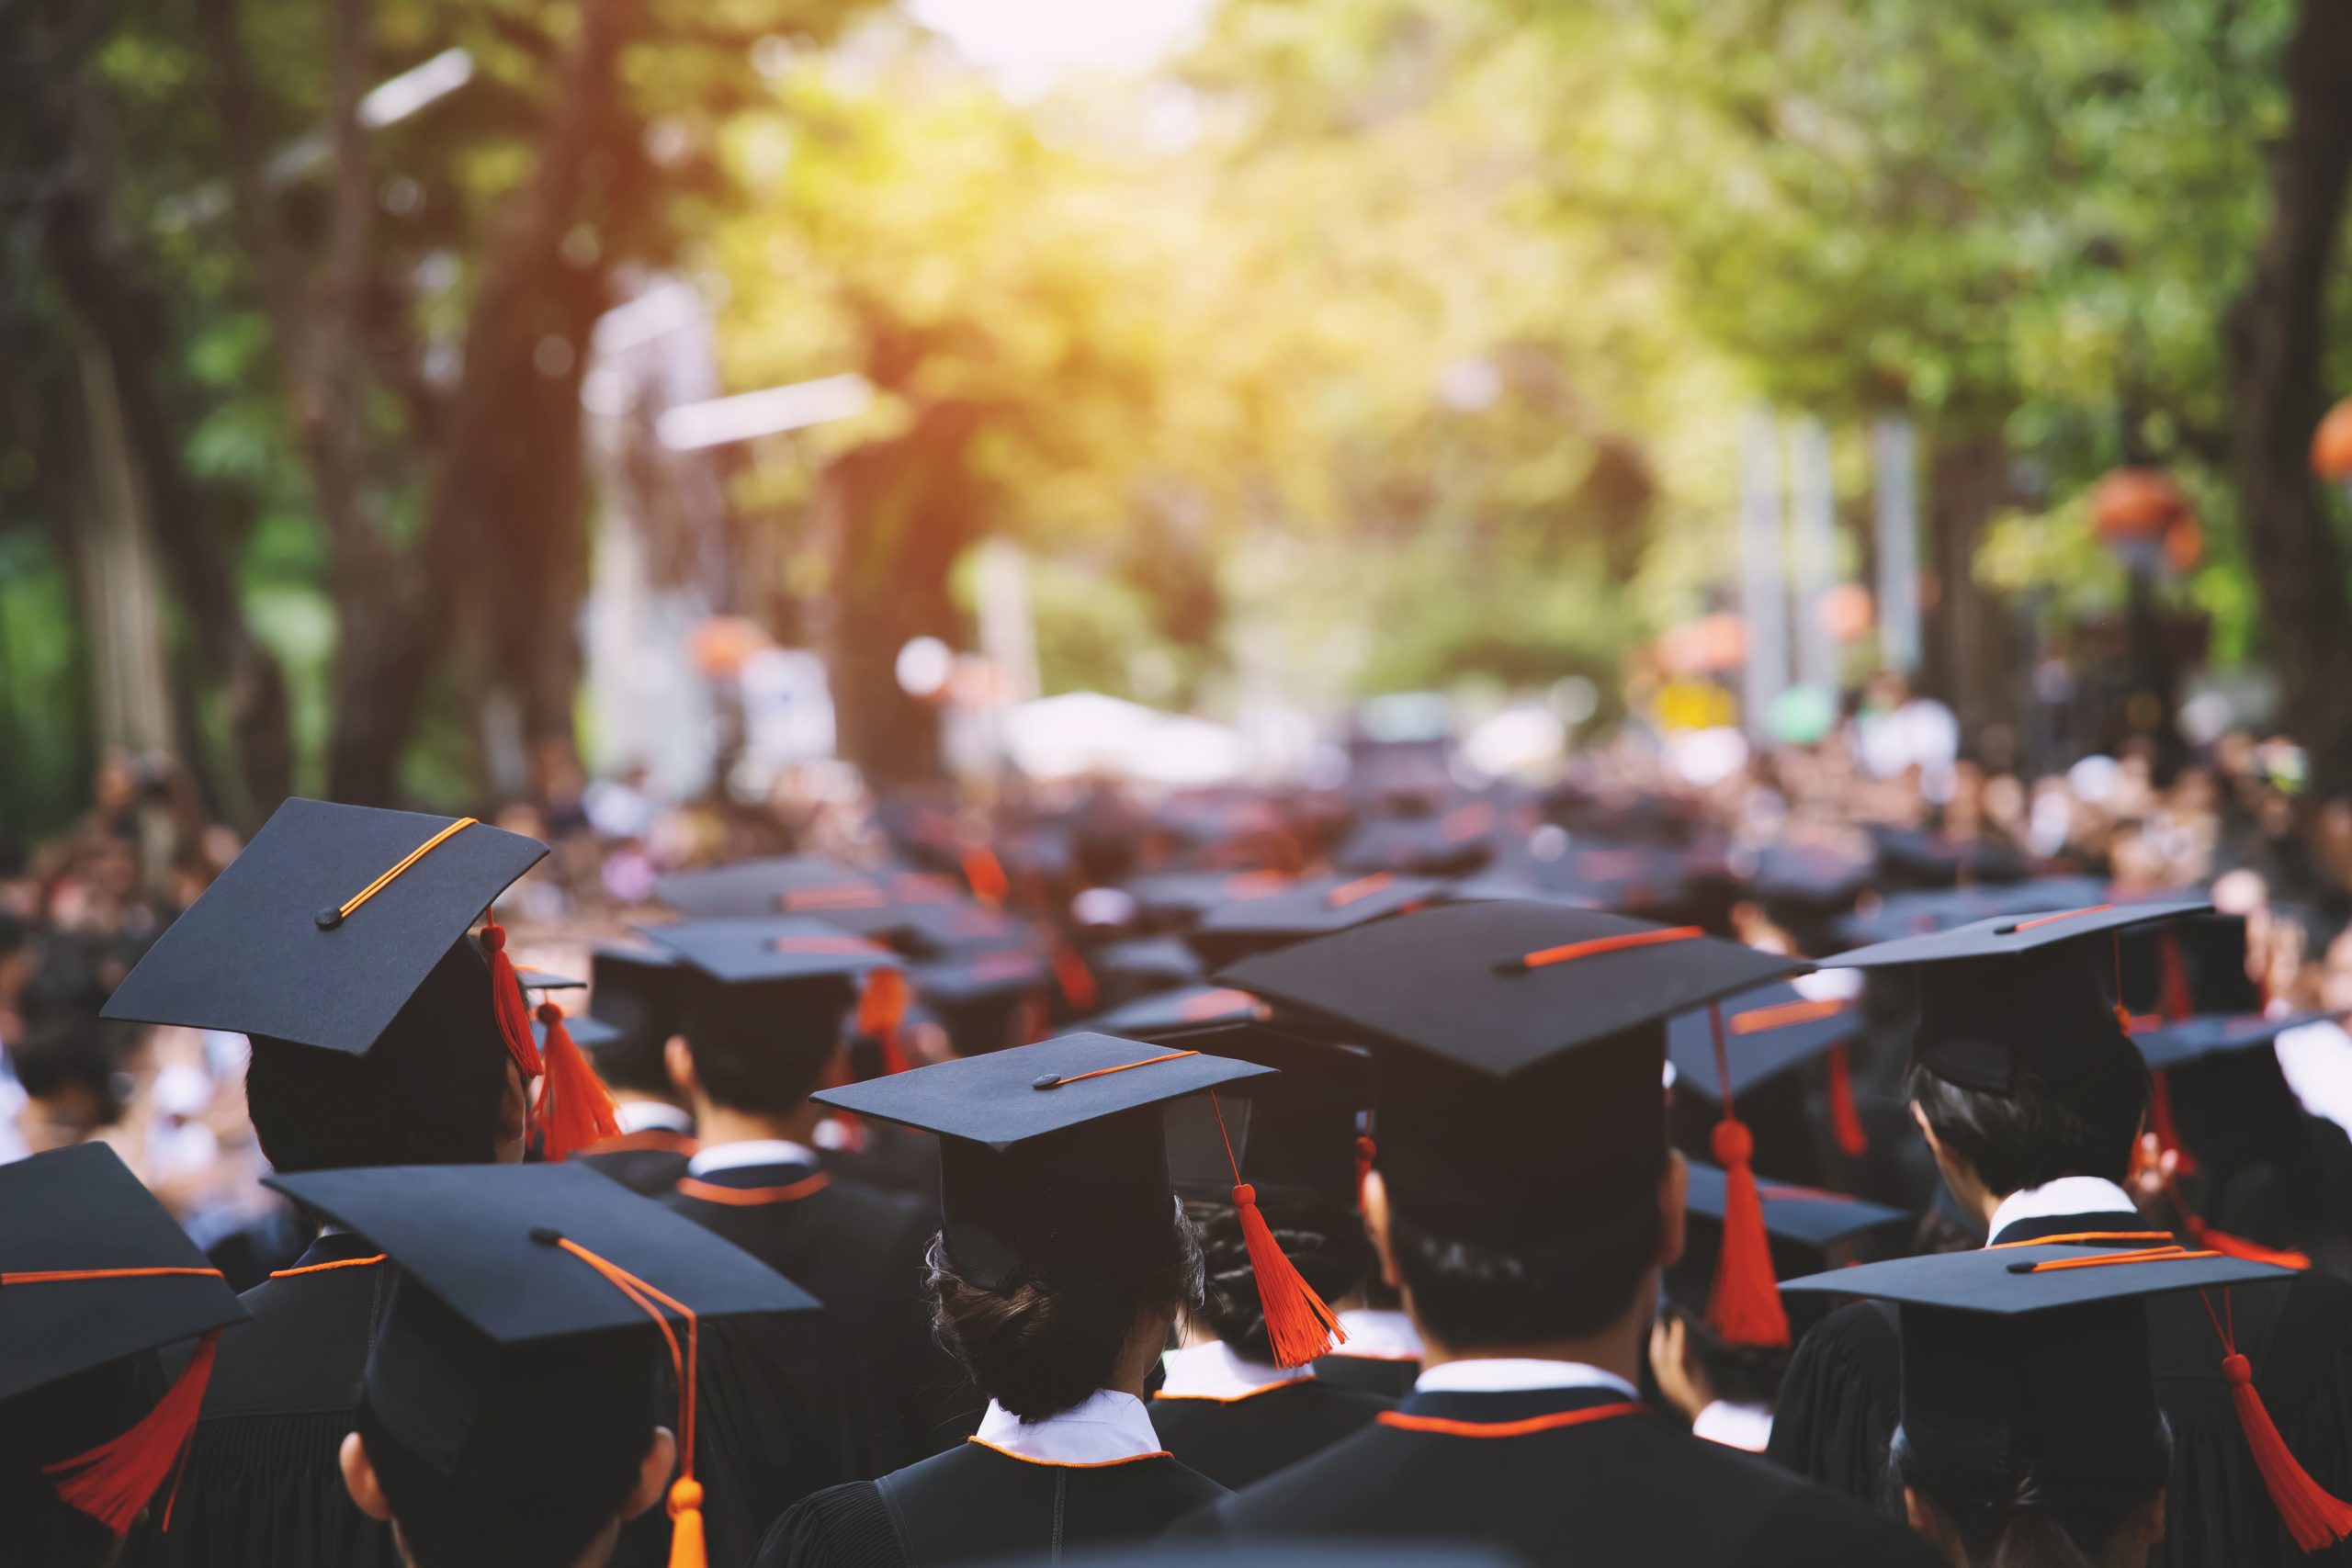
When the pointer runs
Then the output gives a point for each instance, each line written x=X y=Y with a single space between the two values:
x=751 y=1151
x=1216 y=1372
x=636 y=1115
x=2067 y=1195
x=1106 y=1428
x=1379 y=1334
x=1514 y=1374
x=1744 y=1427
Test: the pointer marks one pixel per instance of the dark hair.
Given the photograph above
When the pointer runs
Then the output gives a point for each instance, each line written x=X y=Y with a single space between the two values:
x=1741 y=1374
x=1038 y=1346
x=2037 y=1517
x=69 y=1417
x=427 y=1093
x=1326 y=1245
x=764 y=1049
x=460 y=1524
x=2084 y=1123
x=1473 y=1294
x=638 y=1062
x=58 y=1054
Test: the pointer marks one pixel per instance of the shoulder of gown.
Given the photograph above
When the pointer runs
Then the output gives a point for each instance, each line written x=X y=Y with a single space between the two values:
x=1840 y=1403
x=849 y=1526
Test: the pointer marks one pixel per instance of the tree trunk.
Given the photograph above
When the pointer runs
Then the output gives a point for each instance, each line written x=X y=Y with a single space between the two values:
x=1968 y=662
x=2276 y=337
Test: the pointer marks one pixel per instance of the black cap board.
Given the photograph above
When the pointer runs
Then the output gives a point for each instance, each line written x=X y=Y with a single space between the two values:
x=266 y=950
x=1766 y=1031
x=2032 y=991
x=1189 y=1007
x=544 y=980
x=589 y=1033
x=1314 y=908
x=1290 y=1136
x=773 y=992
x=1806 y=1228
x=1520 y=1048
x=78 y=1209
x=1052 y=1156
x=504 y=1357
x=636 y=994
x=777 y=949
x=1158 y=961
x=775 y=885
x=2025 y=1357
x=2178 y=1044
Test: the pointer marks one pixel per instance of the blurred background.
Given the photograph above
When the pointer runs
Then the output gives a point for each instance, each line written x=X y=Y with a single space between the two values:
x=674 y=425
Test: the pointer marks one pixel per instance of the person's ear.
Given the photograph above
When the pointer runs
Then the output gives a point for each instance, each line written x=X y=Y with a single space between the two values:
x=1673 y=1208
x=652 y=1473
x=678 y=1061
x=1372 y=1196
x=2148 y=1525
x=359 y=1479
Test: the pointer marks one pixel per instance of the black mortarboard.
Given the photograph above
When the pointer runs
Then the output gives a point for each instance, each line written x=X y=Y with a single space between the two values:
x=637 y=993
x=507 y=1360
x=1054 y=1155
x=1179 y=897
x=1520 y=1048
x=983 y=998
x=772 y=990
x=544 y=980
x=1314 y=908
x=2185 y=1041
x=1146 y=964
x=78 y=1382
x=1293 y=1133
x=2030 y=1358
x=1459 y=841
x=1932 y=858
x=1187 y=1008
x=1808 y=1229
x=268 y=951
x=1766 y=1031
x=780 y=950
x=1919 y=911
x=2031 y=988
x=777 y=885
x=592 y=1034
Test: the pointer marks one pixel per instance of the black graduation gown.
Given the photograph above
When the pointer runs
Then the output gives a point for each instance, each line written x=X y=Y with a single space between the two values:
x=890 y=1158
x=1632 y=1491
x=788 y=1405
x=649 y=1160
x=1390 y=1378
x=978 y=1502
x=1841 y=1400
x=263 y=1483
x=1239 y=1441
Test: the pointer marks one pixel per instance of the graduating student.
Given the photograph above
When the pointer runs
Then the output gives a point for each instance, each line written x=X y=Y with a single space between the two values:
x=96 y=1277
x=384 y=1033
x=759 y=1029
x=1525 y=1199
x=2032 y=1100
x=1062 y=1261
x=1314 y=908
x=1234 y=1407
x=634 y=995
x=511 y=1413
x=2033 y=1434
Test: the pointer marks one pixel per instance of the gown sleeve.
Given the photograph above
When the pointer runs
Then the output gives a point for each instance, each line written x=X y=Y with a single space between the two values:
x=1840 y=1403
x=841 y=1527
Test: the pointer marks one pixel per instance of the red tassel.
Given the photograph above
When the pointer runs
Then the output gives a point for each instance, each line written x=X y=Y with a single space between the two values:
x=1845 y=1121
x=2160 y=1122
x=114 y=1481
x=686 y=1549
x=1299 y=1326
x=986 y=874
x=1076 y=980
x=507 y=1002
x=1744 y=1306
x=1366 y=1150
x=881 y=1009
x=575 y=1109
x=2314 y=1516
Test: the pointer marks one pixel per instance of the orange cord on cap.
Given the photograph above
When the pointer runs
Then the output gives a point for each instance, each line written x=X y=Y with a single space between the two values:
x=1569 y=953
x=1053 y=1080
x=1743 y=1305
x=351 y=906
x=2077 y=1238
x=1217 y=1004
x=824 y=946
x=1348 y=893
x=1299 y=1326
x=1785 y=1015
x=2053 y=920
x=575 y=1110
x=686 y=1544
x=2314 y=1516
x=833 y=895
x=113 y=1482
x=1845 y=1119
x=2227 y=1245
x=2171 y=1253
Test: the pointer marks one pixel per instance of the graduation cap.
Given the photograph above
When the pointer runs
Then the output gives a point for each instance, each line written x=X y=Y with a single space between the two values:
x=344 y=927
x=981 y=999
x=1935 y=859
x=1809 y=1229
x=93 y=1274
x=1520 y=1048
x=635 y=996
x=1770 y=1030
x=2016 y=990
x=1807 y=878
x=518 y=1348
x=1293 y=1134
x=1310 y=908
x=2032 y=1356
x=589 y=1033
x=1182 y=896
x=1054 y=1159
x=1177 y=1011
x=1459 y=841
x=1919 y=911
x=773 y=885
x=773 y=991
x=1147 y=963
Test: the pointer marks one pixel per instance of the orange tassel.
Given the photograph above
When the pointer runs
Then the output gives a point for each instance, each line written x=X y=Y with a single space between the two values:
x=1076 y=980
x=1299 y=1326
x=1744 y=1302
x=1845 y=1120
x=2314 y=1516
x=575 y=1109
x=986 y=874
x=507 y=1002
x=881 y=1008
x=114 y=1481
x=1366 y=1150
x=686 y=1549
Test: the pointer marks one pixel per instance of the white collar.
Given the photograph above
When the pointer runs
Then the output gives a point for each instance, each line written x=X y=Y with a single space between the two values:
x=1379 y=1333
x=1106 y=1428
x=2067 y=1195
x=1514 y=1374
x=639 y=1115
x=1214 y=1371
x=1745 y=1426
x=751 y=1151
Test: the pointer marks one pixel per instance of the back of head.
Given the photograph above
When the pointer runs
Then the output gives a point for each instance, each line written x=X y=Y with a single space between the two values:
x=2041 y=1517
x=426 y=1093
x=2083 y=1122
x=764 y=1048
x=1327 y=1246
